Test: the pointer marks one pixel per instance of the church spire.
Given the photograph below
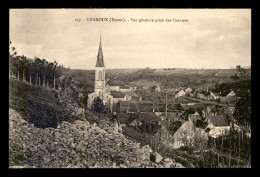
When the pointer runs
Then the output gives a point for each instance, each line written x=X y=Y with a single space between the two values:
x=100 y=61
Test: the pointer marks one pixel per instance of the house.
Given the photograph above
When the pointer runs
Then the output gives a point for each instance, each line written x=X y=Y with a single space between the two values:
x=181 y=88
x=188 y=91
x=200 y=95
x=184 y=135
x=194 y=118
x=188 y=104
x=229 y=97
x=218 y=120
x=135 y=123
x=231 y=93
x=200 y=130
x=158 y=89
x=218 y=126
x=193 y=93
x=124 y=106
x=179 y=94
x=214 y=95
x=133 y=88
x=196 y=113
x=114 y=88
x=130 y=94
x=201 y=124
x=204 y=95
x=171 y=116
x=144 y=106
x=118 y=96
x=125 y=89
x=136 y=98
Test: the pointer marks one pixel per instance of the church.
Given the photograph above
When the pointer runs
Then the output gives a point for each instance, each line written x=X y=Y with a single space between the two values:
x=101 y=88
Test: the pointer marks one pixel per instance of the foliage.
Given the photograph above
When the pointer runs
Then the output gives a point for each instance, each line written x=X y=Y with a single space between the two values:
x=143 y=138
x=98 y=106
x=240 y=87
x=39 y=105
x=83 y=100
x=36 y=72
x=242 y=112
x=235 y=77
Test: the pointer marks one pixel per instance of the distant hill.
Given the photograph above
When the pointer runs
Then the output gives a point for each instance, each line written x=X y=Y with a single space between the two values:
x=85 y=79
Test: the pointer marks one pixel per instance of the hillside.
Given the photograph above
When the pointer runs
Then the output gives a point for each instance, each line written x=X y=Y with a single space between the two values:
x=177 y=77
x=77 y=145
x=38 y=105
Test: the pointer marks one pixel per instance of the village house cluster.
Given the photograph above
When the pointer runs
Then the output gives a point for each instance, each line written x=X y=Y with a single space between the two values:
x=213 y=121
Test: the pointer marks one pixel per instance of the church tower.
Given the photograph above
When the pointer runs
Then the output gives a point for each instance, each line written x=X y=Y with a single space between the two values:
x=99 y=87
x=101 y=90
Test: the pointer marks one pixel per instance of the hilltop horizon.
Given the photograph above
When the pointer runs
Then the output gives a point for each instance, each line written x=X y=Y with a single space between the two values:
x=245 y=67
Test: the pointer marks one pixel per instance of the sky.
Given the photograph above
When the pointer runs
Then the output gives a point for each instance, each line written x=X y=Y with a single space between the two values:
x=212 y=38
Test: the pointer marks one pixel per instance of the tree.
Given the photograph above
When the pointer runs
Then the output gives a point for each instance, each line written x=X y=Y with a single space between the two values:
x=16 y=66
x=23 y=67
x=238 y=67
x=37 y=67
x=12 y=54
x=44 y=71
x=49 y=73
x=31 y=70
x=97 y=105
x=165 y=99
x=83 y=100
x=56 y=72
x=242 y=113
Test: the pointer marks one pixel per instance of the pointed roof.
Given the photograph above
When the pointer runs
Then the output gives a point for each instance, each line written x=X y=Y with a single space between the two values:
x=100 y=61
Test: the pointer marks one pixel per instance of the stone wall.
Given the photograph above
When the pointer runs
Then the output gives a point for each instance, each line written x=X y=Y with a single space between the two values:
x=78 y=145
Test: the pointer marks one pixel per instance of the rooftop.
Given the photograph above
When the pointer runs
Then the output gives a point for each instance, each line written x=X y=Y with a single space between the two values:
x=131 y=94
x=125 y=103
x=100 y=61
x=201 y=124
x=116 y=94
x=218 y=120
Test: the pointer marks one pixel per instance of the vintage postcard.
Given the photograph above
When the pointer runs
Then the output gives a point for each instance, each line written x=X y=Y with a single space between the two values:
x=130 y=88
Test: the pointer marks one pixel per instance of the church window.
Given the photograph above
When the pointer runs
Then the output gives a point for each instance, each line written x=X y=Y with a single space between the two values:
x=100 y=75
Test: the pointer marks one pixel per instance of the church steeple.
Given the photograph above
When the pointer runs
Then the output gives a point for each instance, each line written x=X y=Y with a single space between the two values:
x=100 y=61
